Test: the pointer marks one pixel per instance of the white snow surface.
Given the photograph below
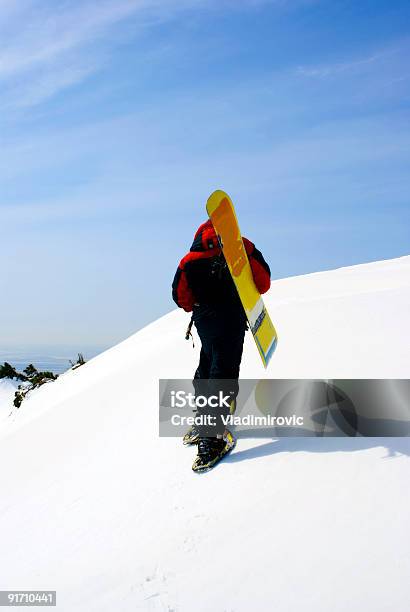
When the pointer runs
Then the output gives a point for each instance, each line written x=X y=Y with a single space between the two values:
x=96 y=506
x=7 y=390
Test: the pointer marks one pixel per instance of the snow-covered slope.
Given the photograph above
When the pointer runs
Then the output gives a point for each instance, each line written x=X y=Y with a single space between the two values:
x=7 y=390
x=95 y=505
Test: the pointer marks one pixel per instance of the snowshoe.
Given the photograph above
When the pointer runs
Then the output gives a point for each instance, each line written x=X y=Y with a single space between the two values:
x=211 y=451
x=191 y=437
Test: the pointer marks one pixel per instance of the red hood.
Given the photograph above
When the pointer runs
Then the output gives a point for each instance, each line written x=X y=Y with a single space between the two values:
x=205 y=227
x=205 y=238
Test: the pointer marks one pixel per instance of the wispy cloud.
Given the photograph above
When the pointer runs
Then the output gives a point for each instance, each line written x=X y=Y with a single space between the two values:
x=357 y=65
x=47 y=46
x=47 y=32
x=328 y=70
x=46 y=85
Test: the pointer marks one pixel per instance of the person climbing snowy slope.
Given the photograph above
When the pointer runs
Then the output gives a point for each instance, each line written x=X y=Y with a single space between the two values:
x=203 y=285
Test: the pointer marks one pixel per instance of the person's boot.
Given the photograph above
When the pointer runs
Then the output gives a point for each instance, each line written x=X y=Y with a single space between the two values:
x=191 y=437
x=212 y=450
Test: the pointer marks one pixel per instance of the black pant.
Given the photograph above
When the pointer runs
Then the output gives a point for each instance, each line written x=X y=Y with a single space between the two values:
x=218 y=369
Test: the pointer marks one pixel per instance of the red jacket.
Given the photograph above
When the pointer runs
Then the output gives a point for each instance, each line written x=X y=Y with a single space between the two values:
x=198 y=278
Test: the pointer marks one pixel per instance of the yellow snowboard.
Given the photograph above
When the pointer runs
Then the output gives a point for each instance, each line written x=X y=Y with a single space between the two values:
x=222 y=214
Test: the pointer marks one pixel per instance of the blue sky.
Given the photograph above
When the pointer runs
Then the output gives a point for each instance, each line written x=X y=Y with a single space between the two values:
x=119 y=118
